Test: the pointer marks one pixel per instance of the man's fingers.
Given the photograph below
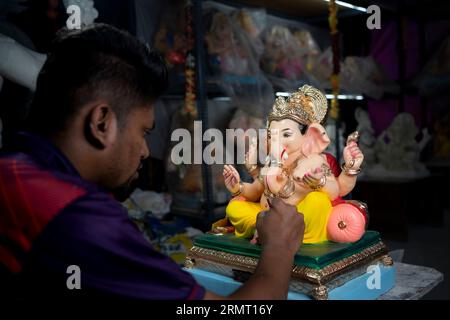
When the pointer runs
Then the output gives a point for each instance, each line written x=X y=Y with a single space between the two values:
x=277 y=204
x=269 y=201
x=259 y=218
x=262 y=214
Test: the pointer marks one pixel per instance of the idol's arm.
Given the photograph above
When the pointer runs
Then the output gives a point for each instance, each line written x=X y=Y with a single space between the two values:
x=332 y=188
x=346 y=184
x=253 y=191
x=353 y=158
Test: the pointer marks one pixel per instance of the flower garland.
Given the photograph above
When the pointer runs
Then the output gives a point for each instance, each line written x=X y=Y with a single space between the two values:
x=189 y=71
x=333 y=21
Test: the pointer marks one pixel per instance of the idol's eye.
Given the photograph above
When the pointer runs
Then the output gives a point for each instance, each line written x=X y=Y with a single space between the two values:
x=287 y=134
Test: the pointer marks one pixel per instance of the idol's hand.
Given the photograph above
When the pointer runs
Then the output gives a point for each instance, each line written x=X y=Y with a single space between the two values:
x=315 y=178
x=232 y=178
x=353 y=156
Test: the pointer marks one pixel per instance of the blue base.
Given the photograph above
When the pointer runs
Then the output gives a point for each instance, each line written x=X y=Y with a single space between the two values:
x=356 y=289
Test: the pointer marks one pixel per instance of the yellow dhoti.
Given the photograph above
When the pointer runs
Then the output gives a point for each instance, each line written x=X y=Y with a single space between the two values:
x=316 y=209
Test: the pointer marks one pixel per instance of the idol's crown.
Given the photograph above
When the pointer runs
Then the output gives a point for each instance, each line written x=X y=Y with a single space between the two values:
x=306 y=105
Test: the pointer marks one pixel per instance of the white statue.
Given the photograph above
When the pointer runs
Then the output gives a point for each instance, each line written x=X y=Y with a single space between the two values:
x=398 y=151
x=18 y=63
x=366 y=137
x=22 y=65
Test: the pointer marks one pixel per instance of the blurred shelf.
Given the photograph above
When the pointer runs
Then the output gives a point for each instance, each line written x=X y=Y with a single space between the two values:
x=308 y=11
x=214 y=91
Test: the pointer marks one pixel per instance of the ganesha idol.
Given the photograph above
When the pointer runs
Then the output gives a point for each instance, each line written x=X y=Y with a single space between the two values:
x=298 y=171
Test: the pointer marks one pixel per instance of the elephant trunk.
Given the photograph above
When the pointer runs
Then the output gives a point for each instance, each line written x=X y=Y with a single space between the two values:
x=275 y=179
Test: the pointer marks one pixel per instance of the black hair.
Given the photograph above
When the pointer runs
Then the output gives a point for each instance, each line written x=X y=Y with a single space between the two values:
x=96 y=62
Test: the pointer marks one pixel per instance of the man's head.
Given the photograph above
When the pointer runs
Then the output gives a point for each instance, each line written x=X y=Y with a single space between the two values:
x=94 y=98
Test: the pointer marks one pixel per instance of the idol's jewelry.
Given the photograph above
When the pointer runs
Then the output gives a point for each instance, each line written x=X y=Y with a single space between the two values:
x=314 y=184
x=271 y=161
x=352 y=163
x=287 y=190
x=353 y=137
x=241 y=188
x=326 y=170
x=252 y=168
x=350 y=172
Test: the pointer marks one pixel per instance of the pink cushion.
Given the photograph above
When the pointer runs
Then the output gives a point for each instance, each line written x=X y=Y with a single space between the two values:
x=346 y=223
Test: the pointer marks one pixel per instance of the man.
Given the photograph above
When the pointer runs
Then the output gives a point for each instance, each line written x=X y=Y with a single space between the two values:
x=92 y=108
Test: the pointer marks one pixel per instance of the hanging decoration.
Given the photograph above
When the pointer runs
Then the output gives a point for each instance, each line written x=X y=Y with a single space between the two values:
x=190 y=96
x=333 y=21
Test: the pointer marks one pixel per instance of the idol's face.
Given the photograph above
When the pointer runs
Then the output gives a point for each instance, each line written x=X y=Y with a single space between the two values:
x=285 y=140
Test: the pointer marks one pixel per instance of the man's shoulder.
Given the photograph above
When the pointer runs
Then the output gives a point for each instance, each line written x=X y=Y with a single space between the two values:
x=25 y=178
x=31 y=196
x=41 y=192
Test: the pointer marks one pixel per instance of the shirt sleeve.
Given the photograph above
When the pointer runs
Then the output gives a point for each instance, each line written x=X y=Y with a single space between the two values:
x=95 y=234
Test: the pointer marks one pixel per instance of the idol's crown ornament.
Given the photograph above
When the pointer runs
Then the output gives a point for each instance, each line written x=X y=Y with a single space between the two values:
x=306 y=105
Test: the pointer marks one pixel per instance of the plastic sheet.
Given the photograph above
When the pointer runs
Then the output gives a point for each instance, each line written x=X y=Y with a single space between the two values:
x=309 y=49
x=285 y=58
x=185 y=180
x=364 y=75
x=322 y=69
x=170 y=37
x=234 y=47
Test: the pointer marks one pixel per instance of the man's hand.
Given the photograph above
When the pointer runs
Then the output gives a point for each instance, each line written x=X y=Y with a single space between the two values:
x=280 y=232
x=281 y=228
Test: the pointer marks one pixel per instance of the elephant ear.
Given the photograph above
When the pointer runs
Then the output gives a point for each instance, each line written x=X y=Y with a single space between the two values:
x=315 y=140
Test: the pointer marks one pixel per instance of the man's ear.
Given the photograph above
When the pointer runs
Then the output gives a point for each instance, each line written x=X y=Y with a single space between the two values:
x=315 y=140
x=101 y=125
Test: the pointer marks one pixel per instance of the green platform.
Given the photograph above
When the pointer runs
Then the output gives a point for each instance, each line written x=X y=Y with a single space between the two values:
x=314 y=256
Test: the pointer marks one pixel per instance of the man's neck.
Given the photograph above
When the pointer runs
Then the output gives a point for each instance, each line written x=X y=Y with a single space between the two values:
x=76 y=152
